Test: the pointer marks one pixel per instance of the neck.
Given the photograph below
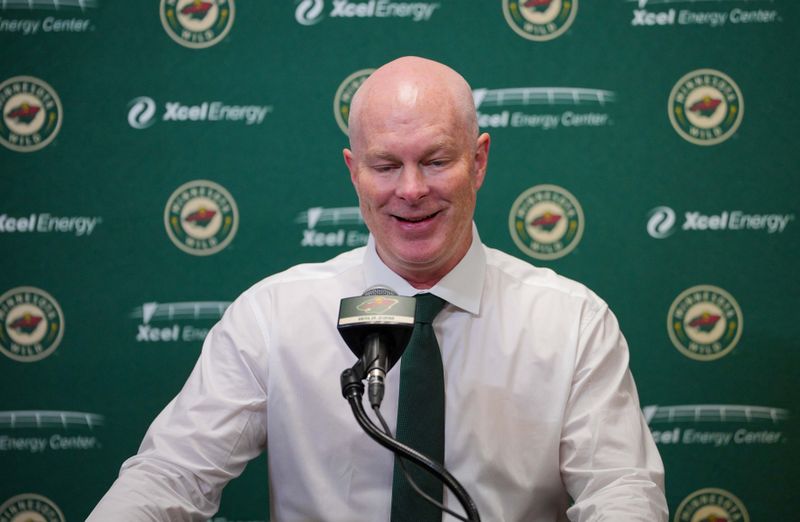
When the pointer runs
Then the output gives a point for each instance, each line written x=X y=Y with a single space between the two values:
x=422 y=284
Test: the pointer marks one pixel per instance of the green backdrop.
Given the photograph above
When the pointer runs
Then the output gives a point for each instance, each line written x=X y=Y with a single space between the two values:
x=159 y=158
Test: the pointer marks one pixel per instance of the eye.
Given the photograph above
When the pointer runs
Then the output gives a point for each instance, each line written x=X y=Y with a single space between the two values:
x=384 y=167
x=438 y=162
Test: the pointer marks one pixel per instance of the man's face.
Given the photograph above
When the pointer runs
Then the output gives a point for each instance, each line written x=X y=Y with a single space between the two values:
x=417 y=172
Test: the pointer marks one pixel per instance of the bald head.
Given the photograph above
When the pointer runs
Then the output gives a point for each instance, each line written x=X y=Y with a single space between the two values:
x=411 y=84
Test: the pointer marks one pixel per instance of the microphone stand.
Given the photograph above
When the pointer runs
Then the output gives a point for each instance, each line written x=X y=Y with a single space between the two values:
x=353 y=391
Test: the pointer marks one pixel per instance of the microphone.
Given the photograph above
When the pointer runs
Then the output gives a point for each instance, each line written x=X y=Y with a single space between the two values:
x=376 y=326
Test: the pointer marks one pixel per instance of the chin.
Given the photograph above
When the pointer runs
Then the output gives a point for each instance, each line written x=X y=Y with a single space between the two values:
x=417 y=250
x=419 y=259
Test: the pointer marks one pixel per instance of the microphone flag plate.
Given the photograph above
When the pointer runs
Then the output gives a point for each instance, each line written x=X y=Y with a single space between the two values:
x=390 y=316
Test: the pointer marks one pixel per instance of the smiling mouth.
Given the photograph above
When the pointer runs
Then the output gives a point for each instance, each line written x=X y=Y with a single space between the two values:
x=416 y=219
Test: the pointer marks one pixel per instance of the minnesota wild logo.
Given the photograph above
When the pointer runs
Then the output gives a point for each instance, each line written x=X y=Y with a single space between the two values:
x=197 y=23
x=30 y=507
x=704 y=323
x=546 y=222
x=201 y=217
x=31 y=324
x=31 y=113
x=24 y=113
x=540 y=20
x=711 y=505
x=344 y=96
x=377 y=305
x=705 y=107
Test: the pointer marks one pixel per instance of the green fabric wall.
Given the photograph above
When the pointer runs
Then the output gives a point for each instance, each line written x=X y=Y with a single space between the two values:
x=644 y=147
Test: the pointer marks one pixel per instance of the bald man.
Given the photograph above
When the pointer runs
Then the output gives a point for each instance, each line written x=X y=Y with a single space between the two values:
x=542 y=419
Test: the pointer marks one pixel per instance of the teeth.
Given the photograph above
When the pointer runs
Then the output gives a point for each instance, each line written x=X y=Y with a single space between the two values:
x=417 y=220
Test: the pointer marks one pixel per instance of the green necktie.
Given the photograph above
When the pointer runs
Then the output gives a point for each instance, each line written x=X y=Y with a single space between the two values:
x=420 y=416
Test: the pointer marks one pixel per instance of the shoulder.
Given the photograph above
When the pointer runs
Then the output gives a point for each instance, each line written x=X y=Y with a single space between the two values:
x=302 y=290
x=310 y=277
x=523 y=280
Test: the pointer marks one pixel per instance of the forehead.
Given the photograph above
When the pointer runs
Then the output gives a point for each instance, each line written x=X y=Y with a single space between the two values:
x=410 y=120
x=412 y=138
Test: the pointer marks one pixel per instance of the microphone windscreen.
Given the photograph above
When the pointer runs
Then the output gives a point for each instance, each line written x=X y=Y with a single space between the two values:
x=379 y=290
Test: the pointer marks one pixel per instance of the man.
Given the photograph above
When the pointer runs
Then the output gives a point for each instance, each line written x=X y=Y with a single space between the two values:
x=540 y=404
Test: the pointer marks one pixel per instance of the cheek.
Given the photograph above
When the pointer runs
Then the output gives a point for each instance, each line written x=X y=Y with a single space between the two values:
x=464 y=198
x=371 y=194
x=369 y=206
x=366 y=201
x=362 y=190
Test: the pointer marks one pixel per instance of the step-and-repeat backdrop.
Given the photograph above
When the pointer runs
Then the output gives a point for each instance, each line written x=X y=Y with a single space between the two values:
x=158 y=158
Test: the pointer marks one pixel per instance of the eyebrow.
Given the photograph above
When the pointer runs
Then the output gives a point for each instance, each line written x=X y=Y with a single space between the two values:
x=438 y=145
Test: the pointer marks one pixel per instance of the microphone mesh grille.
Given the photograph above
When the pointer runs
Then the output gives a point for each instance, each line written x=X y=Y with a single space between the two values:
x=379 y=290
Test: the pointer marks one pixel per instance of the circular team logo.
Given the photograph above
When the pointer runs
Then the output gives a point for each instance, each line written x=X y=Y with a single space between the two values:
x=197 y=24
x=31 y=324
x=711 y=504
x=344 y=96
x=705 y=323
x=201 y=217
x=540 y=20
x=705 y=107
x=546 y=222
x=31 y=115
x=30 y=507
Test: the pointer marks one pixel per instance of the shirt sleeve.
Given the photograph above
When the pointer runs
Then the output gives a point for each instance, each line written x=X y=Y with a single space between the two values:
x=206 y=434
x=609 y=462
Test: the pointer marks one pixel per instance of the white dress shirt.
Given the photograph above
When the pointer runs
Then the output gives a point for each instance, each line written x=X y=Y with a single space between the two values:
x=540 y=404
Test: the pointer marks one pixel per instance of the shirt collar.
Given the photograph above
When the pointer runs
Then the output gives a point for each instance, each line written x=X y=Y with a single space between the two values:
x=461 y=287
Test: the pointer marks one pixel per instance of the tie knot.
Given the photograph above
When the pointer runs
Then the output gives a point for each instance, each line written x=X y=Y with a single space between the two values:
x=428 y=305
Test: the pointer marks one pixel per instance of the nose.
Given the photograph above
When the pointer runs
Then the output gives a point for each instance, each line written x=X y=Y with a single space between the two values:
x=411 y=184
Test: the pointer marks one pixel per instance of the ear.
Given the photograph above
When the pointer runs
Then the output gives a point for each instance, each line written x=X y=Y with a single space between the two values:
x=351 y=164
x=481 y=159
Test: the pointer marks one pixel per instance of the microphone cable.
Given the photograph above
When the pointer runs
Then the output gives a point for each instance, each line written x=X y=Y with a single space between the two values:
x=410 y=480
x=353 y=391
